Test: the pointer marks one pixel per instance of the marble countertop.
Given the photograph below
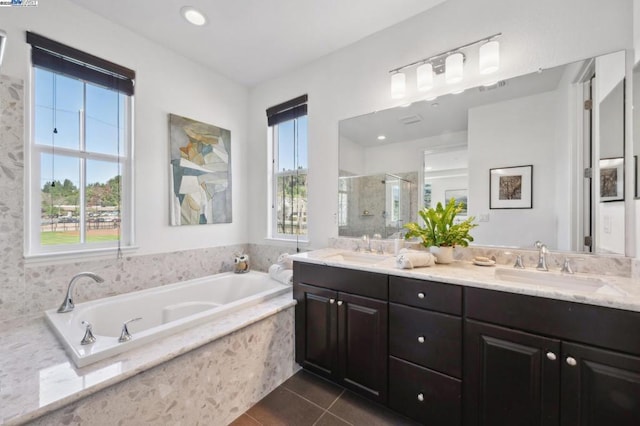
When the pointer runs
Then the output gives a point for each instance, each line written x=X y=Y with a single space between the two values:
x=37 y=376
x=616 y=292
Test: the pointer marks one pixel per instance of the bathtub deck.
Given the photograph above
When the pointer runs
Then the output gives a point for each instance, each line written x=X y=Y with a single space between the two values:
x=37 y=376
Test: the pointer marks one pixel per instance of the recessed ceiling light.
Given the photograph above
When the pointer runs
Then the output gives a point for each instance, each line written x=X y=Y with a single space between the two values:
x=381 y=137
x=193 y=15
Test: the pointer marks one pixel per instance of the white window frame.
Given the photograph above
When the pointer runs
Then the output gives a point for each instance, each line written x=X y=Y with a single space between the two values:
x=33 y=249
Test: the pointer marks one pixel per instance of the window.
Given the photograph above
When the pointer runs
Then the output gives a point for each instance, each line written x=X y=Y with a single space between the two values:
x=343 y=201
x=288 y=126
x=80 y=151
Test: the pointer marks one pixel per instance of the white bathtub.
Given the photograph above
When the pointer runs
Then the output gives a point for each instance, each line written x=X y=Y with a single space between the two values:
x=164 y=310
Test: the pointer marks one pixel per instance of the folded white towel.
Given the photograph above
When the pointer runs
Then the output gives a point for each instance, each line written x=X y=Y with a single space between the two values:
x=415 y=259
x=281 y=274
x=285 y=260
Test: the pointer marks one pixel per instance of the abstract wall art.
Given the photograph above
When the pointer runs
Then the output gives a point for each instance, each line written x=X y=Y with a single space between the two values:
x=200 y=172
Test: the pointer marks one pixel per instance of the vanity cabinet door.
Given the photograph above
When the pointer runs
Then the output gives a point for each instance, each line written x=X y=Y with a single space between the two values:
x=510 y=377
x=316 y=329
x=599 y=387
x=362 y=345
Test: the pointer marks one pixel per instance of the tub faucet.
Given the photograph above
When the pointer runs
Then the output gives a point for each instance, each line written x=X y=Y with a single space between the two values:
x=67 y=305
x=542 y=256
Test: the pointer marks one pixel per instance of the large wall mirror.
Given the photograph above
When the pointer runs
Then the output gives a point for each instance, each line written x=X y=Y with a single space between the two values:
x=535 y=157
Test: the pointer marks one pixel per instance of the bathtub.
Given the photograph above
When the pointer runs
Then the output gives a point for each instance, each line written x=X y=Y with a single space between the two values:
x=164 y=310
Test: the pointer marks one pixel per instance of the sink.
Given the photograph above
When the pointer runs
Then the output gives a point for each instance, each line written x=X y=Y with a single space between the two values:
x=360 y=258
x=560 y=281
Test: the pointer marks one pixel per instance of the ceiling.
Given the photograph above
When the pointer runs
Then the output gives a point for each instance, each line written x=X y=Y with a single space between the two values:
x=250 y=41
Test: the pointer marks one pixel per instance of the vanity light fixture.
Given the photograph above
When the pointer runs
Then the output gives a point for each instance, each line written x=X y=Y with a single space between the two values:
x=450 y=63
x=398 y=85
x=193 y=15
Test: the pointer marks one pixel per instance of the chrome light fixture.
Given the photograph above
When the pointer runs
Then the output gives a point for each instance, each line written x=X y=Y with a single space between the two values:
x=450 y=63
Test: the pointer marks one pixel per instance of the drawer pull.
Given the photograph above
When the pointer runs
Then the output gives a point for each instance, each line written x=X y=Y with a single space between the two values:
x=420 y=295
x=332 y=301
x=420 y=339
x=572 y=361
x=420 y=397
x=551 y=356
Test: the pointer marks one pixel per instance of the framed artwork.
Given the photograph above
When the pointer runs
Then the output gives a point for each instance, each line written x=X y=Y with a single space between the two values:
x=611 y=179
x=200 y=172
x=460 y=195
x=511 y=187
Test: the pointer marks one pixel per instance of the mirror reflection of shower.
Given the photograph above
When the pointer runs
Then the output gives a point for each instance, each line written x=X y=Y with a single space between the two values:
x=376 y=204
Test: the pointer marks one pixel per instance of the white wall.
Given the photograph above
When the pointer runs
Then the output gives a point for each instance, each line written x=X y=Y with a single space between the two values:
x=166 y=83
x=355 y=80
x=517 y=132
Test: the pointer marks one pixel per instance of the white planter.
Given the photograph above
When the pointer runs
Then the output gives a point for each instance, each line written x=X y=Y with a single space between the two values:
x=443 y=254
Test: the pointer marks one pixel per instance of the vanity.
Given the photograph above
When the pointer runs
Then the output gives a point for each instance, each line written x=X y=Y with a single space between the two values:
x=461 y=344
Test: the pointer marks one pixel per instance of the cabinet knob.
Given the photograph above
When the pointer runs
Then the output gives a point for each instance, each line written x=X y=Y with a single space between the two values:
x=420 y=295
x=332 y=300
x=339 y=302
x=551 y=356
x=420 y=339
x=420 y=397
x=572 y=361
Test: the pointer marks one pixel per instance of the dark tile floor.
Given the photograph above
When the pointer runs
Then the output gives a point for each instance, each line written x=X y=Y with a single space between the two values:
x=306 y=399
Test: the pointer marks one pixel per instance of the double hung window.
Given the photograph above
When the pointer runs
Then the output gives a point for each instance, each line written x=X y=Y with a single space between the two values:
x=80 y=166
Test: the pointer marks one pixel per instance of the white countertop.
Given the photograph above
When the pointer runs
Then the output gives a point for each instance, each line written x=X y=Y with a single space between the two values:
x=626 y=295
x=37 y=376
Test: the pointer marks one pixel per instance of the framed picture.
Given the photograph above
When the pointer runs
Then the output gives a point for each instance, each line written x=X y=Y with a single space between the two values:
x=460 y=196
x=511 y=187
x=611 y=179
x=200 y=167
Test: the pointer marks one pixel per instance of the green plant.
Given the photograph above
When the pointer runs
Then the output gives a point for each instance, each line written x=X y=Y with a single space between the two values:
x=439 y=229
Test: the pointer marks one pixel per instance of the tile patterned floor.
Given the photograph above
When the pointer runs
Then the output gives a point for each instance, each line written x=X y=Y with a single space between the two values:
x=306 y=399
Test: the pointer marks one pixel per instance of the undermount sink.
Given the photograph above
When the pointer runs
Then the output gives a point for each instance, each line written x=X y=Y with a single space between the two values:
x=559 y=281
x=358 y=257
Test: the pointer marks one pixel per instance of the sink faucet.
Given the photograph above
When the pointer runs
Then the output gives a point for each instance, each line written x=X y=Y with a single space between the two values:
x=67 y=305
x=542 y=256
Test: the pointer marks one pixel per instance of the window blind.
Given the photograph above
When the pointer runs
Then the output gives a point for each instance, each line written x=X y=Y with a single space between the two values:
x=63 y=59
x=288 y=110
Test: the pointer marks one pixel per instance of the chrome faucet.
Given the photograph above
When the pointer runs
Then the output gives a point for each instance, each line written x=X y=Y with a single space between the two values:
x=542 y=256
x=67 y=305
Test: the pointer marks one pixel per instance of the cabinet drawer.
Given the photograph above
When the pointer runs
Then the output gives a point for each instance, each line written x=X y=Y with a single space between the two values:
x=427 y=338
x=426 y=294
x=348 y=280
x=424 y=395
x=596 y=325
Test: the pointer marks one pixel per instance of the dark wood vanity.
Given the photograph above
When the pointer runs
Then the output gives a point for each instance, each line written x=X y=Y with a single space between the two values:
x=444 y=354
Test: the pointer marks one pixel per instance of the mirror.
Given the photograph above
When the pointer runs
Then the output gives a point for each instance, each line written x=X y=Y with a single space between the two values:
x=516 y=151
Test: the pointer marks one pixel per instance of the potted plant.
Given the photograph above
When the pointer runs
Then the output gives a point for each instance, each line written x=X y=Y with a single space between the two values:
x=440 y=234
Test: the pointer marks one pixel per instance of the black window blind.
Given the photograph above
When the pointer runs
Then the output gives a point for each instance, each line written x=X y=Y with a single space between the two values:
x=58 y=57
x=288 y=110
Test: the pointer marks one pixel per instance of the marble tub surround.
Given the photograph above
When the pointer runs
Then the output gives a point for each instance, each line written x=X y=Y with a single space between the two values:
x=211 y=372
x=625 y=294
x=610 y=265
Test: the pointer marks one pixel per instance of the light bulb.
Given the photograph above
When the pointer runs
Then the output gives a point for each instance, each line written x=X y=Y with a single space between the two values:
x=453 y=68
x=489 y=61
x=424 y=77
x=398 y=85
